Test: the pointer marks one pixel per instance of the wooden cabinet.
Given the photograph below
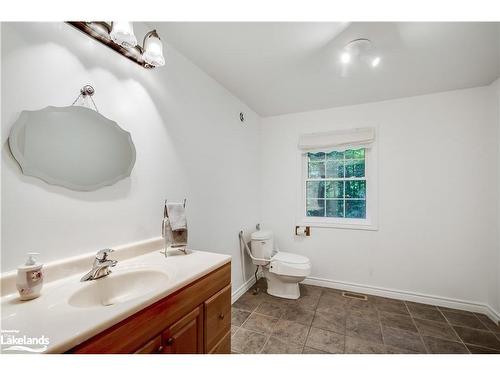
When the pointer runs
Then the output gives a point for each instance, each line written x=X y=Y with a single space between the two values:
x=153 y=346
x=217 y=317
x=195 y=319
x=223 y=346
x=186 y=335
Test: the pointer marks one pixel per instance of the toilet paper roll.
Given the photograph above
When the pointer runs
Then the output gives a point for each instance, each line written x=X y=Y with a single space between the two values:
x=301 y=231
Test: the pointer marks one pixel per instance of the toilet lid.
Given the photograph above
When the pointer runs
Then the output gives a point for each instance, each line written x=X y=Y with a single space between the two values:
x=262 y=235
x=290 y=258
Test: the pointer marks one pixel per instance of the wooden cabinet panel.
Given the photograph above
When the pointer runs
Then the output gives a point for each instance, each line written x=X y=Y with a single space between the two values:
x=217 y=317
x=186 y=335
x=223 y=346
x=152 y=347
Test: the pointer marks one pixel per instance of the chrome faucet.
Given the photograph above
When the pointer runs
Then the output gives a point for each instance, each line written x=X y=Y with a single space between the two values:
x=101 y=266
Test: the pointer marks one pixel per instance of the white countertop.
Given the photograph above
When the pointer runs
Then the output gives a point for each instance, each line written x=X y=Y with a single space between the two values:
x=66 y=326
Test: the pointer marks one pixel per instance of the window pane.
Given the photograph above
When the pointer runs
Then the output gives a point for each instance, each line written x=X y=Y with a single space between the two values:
x=335 y=169
x=334 y=208
x=315 y=189
x=317 y=170
x=355 y=209
x=335 y=155
x=355 y=168
x=355 y=189
x=316 y=156
x=315 y=207
x=334 y=189
x=355 y=154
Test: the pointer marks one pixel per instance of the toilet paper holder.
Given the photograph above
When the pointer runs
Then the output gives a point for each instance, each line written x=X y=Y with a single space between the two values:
x=307 y=230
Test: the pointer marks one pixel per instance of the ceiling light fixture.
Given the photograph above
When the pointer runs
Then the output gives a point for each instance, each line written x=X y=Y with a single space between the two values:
x=376 y=61
x=345 y=57
x=120 y=37
x=360 y=49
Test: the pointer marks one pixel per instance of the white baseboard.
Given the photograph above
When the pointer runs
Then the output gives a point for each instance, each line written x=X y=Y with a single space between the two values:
x=407 y=296
x=242 y=289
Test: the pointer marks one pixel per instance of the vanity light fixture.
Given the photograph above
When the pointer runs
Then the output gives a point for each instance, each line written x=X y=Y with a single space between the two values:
x=122 y=33
x=119 y=36
x=153 y=49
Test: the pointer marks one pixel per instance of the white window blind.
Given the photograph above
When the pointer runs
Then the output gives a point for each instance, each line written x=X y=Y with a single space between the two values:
x=337 y=140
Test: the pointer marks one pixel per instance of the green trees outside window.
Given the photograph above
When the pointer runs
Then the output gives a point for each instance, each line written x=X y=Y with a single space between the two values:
x=336 y=184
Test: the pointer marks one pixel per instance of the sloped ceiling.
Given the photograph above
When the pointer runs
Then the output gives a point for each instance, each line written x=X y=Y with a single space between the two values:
x=279 y=68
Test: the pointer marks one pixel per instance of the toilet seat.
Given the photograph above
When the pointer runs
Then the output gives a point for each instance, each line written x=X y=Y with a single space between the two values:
x=289 y=264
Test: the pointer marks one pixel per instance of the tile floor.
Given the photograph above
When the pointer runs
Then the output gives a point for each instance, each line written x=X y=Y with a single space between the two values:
x=324 y=321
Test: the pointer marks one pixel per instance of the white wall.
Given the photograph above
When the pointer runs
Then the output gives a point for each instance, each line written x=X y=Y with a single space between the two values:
x=438 y=171
x=497 y=87
x=496 y=97
x=438 y=195
x=186 y=129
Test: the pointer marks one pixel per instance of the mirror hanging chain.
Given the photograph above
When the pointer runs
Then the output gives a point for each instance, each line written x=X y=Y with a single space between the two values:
x=86 y=91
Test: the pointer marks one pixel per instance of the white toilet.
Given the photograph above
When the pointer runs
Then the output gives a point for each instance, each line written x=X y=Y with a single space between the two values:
x=282 y=270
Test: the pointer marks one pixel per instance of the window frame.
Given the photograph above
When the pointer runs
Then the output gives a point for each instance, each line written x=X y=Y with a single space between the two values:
x=371 y=177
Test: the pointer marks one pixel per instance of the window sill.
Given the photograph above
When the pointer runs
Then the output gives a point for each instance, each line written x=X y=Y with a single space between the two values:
x=316 y=224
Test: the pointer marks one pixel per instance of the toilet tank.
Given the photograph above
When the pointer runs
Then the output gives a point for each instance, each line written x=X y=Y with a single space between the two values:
x=262 y=245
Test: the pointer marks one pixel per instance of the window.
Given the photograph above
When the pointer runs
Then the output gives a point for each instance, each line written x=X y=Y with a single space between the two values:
x=336 y=184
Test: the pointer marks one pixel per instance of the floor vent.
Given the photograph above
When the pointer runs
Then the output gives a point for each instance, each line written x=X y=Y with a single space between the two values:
x=354 y=295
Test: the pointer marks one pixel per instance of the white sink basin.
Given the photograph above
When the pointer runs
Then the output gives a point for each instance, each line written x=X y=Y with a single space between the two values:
x=119 y=287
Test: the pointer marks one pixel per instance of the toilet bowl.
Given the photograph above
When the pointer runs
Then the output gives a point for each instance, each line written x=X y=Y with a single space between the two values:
x=282 y=270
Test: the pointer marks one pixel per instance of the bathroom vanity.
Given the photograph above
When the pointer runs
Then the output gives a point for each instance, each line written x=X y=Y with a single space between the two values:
x=148 y=304
x=195 y=319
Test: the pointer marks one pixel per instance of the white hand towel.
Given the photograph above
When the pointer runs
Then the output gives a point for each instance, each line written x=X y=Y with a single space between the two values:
x=177 y=216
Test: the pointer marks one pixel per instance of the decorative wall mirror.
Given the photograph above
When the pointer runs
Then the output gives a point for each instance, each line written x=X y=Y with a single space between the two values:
x=75 y=147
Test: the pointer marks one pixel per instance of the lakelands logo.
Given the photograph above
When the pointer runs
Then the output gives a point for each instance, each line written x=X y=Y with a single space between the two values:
x=12 y=341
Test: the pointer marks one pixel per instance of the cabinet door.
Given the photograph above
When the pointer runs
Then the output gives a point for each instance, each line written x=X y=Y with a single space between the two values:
x=217 y=317
x=223 y=346
x=186 y=335
x=153 y=346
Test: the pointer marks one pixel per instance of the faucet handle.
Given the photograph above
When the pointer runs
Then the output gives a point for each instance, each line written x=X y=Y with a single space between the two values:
x=102 y=255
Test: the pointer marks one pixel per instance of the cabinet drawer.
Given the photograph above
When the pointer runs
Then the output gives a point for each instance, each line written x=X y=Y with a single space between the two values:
x=223 y=346
x=152 y=347
x=217 y=317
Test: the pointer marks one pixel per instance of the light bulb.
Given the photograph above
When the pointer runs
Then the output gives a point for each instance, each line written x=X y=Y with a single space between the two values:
x=153 y=49
x=345 y=58
x=375 y=61
x=122 y=33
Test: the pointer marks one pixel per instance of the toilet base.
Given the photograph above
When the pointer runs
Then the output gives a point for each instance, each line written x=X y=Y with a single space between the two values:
x=283 y=286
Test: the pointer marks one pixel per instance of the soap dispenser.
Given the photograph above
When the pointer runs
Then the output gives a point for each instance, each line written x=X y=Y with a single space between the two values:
x=29 y=280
